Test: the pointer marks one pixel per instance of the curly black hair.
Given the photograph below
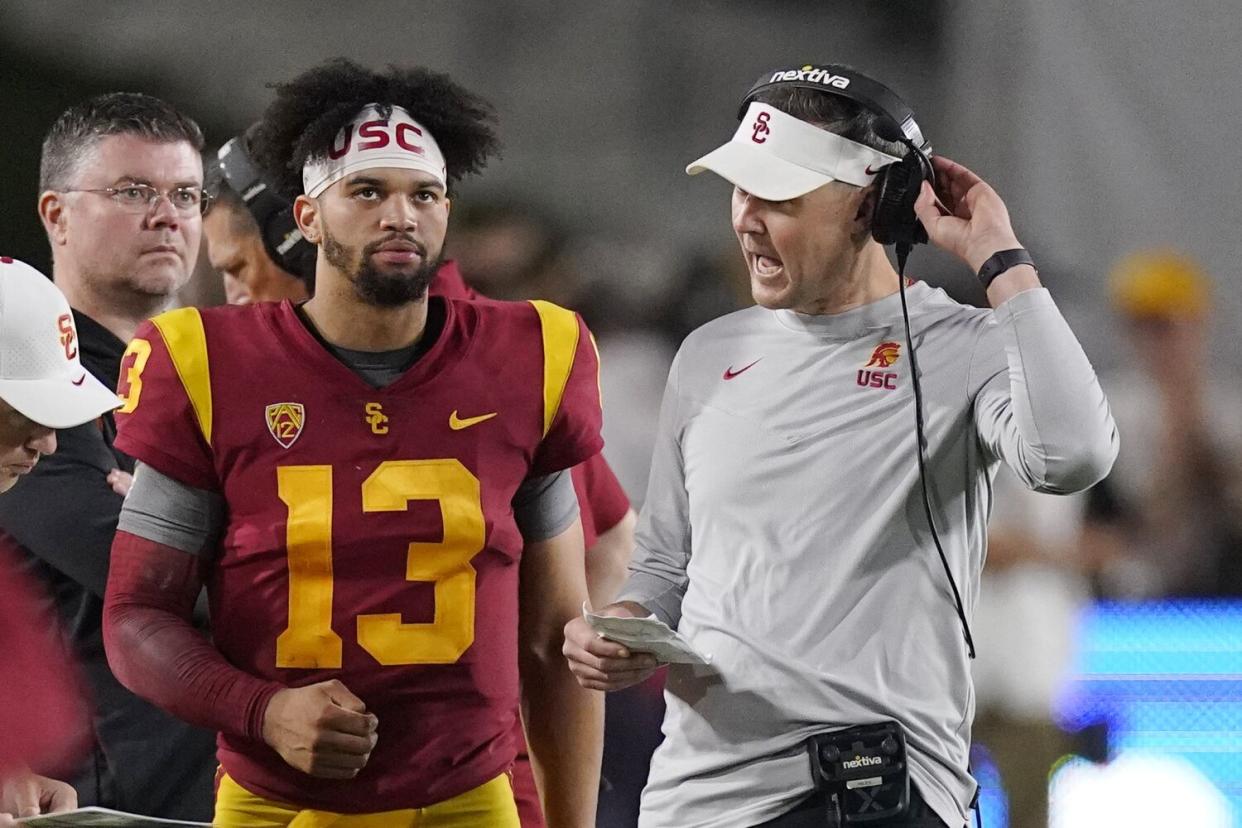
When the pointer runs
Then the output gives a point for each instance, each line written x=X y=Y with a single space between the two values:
x=310 y=110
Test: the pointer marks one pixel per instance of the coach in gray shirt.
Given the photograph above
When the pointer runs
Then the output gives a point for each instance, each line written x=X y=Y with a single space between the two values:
x=785 y=531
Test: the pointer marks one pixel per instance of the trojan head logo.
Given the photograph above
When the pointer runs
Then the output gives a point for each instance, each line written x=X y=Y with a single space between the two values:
x=884 y=355
x=285 y=421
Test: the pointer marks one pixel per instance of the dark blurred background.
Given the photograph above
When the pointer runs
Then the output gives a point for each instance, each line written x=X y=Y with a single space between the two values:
x=1112 y=617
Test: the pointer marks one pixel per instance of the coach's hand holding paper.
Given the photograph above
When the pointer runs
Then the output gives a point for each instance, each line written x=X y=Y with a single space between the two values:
x=600 y=664
x=645 y=635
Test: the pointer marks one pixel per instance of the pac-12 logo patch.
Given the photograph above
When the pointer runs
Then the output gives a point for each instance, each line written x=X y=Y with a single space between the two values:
x=285 y=421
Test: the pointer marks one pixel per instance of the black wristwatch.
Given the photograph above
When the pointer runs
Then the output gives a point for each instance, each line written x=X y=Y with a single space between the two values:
x=1002 y=261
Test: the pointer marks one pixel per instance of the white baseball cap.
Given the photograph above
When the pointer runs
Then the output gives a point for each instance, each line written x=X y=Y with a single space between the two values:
x=776 y=156
x=40 y=373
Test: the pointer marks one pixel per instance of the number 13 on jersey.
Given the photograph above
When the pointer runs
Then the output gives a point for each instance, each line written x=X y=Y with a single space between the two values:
x=309 y=641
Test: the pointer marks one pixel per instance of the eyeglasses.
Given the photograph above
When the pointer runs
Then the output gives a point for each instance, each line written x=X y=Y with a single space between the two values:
x=140 y=198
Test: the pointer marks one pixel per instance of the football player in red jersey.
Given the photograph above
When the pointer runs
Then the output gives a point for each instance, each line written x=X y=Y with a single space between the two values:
x=253 y=241
x=358 y=481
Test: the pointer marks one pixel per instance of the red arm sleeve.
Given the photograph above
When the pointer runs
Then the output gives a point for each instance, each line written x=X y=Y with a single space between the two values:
x=43 y=721
x=155 y=651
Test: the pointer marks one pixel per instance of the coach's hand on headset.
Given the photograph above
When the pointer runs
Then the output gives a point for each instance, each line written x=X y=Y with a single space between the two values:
x=599 y=664
x=969 y=219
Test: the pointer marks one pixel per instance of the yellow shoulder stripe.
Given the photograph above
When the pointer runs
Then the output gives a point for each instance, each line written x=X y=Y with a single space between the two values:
x=560 y=345
x=183 y=334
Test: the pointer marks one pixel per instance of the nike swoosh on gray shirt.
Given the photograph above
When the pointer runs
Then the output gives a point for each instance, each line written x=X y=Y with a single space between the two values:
x=784 y=533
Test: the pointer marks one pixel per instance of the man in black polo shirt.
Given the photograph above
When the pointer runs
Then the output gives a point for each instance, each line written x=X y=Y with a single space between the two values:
x=121 y=184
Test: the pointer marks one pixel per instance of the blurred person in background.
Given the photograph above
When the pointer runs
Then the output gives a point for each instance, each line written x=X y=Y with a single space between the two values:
x=1168 y=520
x=404 y=717
x=510 y=250
x=252 y=239
x=785 y=530
x=121 y=197
x=42 y=388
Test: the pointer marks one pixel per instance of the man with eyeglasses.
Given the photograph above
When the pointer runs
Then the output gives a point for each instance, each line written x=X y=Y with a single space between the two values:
x=121 y=200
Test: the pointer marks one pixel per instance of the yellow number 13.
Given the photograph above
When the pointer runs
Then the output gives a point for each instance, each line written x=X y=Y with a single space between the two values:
x=309 y=641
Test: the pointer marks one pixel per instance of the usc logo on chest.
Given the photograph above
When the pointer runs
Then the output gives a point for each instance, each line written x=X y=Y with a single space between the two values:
x=884 y=355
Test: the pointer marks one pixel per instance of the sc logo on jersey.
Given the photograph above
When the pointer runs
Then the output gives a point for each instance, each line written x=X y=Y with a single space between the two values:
x=376 y=418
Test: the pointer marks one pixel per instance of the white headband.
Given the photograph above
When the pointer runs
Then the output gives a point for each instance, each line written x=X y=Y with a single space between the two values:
x=776 y=156
x=371 y=141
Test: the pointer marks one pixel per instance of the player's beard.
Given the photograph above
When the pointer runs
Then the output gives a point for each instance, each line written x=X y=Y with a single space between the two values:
x=382 y=288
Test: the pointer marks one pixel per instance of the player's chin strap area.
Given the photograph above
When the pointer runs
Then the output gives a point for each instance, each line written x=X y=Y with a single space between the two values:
x=903 y=252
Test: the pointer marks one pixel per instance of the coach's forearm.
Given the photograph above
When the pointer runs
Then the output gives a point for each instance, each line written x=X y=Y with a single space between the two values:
x=1060 y=410
x=155 y=650
x=564 y=733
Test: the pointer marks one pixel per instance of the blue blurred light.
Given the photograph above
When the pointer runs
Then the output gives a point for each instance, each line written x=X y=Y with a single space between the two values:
x=1165 y=677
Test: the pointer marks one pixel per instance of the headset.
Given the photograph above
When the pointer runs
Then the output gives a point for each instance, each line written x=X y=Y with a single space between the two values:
x=893 y=220
x=282 y=239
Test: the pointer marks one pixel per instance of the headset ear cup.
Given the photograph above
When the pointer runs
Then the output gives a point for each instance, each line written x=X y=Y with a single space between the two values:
x=897 y=188
x=286 y=246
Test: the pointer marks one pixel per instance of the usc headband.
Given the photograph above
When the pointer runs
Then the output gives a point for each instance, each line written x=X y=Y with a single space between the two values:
x=372 y=140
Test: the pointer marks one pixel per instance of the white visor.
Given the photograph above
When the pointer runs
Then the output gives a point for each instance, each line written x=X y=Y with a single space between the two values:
x=776 y=157
x=371 y=141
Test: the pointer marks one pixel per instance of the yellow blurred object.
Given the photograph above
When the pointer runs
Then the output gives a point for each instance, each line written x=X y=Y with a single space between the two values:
x=1162 y=283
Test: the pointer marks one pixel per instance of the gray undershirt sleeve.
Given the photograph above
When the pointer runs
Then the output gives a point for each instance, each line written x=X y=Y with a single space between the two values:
x=169 y=512
x=545 y=506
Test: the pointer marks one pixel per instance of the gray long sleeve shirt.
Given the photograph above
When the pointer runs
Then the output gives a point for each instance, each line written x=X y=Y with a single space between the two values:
x=784 y=533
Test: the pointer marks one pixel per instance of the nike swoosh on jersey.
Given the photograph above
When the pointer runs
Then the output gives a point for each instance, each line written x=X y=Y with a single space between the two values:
x=79 y=380
x=457 y=424
x=730 y=373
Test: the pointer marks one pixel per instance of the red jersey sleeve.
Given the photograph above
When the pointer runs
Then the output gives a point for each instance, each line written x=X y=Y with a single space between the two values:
x=165 y=385
x=606 y=500
x=571 y=396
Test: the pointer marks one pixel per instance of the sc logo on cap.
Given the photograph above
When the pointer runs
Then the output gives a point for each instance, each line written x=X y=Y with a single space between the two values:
x=761 y=127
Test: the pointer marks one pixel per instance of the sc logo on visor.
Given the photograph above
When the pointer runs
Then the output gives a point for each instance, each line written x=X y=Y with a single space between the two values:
x=761 y=128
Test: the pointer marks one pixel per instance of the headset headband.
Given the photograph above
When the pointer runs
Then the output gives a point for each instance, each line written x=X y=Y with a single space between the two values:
x=896 y=118
x=242 y=176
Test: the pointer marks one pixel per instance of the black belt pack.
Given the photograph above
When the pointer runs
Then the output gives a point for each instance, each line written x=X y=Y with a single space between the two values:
x=863 y=773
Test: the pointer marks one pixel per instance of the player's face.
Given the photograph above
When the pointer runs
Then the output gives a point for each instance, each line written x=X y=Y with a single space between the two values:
x=120 y=250
x=22 y=441
x=383 y=229
x=237 y=253
x=796 y=249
